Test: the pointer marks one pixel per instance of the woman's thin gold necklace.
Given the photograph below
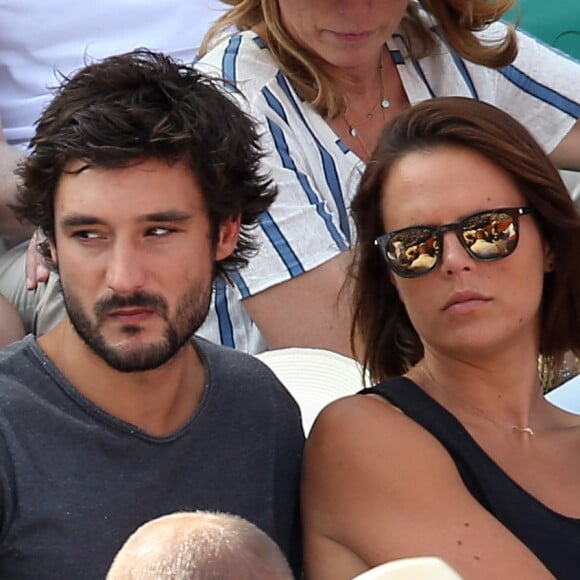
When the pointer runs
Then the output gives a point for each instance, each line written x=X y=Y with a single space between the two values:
x=515 y=428
x=381 y=105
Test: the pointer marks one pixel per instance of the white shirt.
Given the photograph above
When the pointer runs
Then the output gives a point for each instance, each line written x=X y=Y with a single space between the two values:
x=41 y=38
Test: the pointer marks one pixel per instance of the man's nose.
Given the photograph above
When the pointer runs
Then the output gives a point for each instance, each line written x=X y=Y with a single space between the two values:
x=126 y=270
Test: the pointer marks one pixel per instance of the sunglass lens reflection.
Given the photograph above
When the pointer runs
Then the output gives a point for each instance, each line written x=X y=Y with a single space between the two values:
x=489 y=236
x=413 y=251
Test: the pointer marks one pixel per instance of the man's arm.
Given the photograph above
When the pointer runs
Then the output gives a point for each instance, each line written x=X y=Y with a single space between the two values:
x=311 y=310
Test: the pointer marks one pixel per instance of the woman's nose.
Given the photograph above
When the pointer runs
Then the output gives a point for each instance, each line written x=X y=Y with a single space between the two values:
x=454 y=257
x=354 y=8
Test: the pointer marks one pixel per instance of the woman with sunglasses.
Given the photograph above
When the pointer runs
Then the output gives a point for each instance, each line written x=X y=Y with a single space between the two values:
x=466 y=271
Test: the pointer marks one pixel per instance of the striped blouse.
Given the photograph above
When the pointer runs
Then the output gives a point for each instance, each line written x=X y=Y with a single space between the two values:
x=317 y=174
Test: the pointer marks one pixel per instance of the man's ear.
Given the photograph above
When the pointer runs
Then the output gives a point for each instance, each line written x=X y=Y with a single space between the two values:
x=228 y=234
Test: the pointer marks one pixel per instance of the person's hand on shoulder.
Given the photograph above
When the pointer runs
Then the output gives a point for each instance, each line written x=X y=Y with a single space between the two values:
x=37 y=271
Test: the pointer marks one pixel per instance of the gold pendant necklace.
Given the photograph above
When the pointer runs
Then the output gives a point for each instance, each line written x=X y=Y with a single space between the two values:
x=527 y=430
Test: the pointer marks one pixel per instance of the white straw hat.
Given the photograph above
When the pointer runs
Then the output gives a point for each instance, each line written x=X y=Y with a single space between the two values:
x=314 y=377
x=567 y=395
x=420 y=568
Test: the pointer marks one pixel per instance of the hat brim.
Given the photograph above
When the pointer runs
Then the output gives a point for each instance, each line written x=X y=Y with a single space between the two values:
x=314 y=377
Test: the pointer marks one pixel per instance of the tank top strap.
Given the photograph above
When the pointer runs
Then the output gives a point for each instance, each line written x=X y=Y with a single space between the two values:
x=424 y=410
x=473 y=464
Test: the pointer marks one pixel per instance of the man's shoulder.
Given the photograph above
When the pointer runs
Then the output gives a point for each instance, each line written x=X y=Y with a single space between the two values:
x=24 y=377
x=240 y=375
x=17 y=358
x=231 y=361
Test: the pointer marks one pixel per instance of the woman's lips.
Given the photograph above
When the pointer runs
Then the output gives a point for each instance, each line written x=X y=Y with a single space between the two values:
x=465 y=301
x=353 y=37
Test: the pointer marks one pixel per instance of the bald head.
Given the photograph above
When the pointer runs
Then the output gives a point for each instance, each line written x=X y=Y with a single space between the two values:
x=199 y=546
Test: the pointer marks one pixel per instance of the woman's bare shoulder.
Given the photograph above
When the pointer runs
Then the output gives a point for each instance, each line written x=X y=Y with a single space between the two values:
x=362 y=441
x=377 y=486
x=366 y=417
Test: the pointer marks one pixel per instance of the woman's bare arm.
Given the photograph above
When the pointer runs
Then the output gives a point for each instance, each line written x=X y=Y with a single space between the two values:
x=311 y=310
x=567 y=153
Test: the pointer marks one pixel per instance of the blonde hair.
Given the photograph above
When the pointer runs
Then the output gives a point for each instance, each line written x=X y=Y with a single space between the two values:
x=459 y=21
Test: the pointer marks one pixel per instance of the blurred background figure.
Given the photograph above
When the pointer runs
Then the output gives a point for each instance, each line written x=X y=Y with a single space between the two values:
x=199 y=546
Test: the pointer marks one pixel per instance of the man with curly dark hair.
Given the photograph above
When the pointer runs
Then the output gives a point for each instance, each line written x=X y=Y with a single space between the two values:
x=144 y=179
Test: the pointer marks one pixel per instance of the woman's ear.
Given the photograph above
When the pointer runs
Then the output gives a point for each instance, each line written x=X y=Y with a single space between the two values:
x=548 y=259
x=393 y=280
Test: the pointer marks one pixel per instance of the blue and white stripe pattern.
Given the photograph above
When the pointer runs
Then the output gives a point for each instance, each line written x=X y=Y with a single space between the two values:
x=317 y=174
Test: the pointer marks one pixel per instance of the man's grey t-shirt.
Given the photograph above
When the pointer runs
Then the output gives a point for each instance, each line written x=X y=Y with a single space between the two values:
x=75 y=482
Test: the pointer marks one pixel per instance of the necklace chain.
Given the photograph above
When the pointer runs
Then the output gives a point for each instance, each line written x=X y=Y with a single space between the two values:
x=514 y=428
x=382 y=105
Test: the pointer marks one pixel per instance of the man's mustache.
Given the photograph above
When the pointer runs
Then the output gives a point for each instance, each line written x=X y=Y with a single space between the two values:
x=136 y=300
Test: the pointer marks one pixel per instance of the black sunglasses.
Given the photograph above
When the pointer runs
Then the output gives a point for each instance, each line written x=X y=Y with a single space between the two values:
x=486 y=236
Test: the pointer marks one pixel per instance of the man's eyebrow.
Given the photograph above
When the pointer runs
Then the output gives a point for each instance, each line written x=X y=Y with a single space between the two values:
x=166 y=216
x=76 y=220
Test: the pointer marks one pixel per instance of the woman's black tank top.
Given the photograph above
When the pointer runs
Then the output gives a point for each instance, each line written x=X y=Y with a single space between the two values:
x=552 y=537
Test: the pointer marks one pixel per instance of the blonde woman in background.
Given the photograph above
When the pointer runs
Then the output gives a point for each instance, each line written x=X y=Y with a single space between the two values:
x=323 y=78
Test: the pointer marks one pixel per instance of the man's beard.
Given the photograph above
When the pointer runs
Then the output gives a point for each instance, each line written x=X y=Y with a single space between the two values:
x=191 y=311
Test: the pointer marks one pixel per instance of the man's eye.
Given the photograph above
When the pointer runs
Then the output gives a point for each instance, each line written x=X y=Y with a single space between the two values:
x=159 y=231
x=87 y=235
